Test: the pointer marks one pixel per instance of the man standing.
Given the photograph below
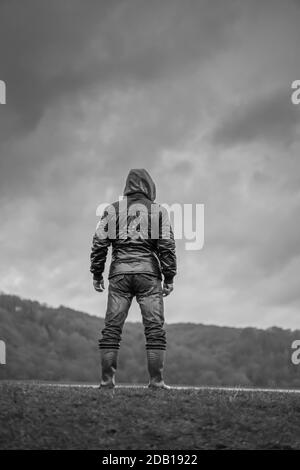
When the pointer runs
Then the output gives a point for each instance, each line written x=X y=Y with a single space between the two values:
x=143 y=250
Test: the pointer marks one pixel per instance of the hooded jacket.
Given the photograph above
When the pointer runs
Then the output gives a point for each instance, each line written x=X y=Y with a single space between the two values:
x=136 y=227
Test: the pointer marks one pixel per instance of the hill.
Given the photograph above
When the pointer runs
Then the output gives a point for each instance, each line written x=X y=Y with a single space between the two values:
x=60 y=344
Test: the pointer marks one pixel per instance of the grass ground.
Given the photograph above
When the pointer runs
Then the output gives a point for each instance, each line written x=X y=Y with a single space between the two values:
x=39 y=416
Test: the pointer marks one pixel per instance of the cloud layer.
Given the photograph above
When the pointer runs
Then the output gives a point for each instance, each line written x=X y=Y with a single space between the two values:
x=197 y=92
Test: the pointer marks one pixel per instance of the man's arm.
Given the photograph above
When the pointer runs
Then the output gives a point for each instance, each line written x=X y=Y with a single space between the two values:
x=167 y=252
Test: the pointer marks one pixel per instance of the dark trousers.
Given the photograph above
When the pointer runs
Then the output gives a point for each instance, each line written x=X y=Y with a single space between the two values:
x=148 y=292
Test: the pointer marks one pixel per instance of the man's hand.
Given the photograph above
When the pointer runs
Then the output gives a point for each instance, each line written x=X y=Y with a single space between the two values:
x=99 y=285
x=167 y=289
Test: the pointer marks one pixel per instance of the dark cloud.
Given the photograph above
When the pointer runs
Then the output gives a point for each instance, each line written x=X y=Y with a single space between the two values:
x=272 y=117
x=51 y=49
x=62 y=53
x=42 y=49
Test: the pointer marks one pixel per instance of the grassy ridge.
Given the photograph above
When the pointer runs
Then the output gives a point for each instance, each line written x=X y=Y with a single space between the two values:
x=35 y=416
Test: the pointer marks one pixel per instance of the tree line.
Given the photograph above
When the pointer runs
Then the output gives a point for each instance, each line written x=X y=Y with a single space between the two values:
x=61 y=344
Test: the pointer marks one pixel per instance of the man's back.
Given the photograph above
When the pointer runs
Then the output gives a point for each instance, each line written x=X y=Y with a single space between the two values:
x=143 y=250
x=138 y=230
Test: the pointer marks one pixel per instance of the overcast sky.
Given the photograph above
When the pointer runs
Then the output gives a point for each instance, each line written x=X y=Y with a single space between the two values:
x=198 y=93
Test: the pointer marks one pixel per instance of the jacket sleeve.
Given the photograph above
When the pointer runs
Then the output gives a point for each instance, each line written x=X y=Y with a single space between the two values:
x=100 y=246
x=166 y=248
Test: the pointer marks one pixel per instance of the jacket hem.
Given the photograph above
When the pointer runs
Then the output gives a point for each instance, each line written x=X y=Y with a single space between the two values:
x=157 y=275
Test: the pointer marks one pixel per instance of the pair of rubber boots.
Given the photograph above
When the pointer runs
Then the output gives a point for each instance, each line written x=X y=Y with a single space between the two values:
x=155 y=359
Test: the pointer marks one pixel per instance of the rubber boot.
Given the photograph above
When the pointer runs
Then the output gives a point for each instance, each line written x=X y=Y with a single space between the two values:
x=155 y=358
x=109 y=365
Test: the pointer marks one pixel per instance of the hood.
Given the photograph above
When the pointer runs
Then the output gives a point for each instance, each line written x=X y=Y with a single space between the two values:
x=139 y=181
